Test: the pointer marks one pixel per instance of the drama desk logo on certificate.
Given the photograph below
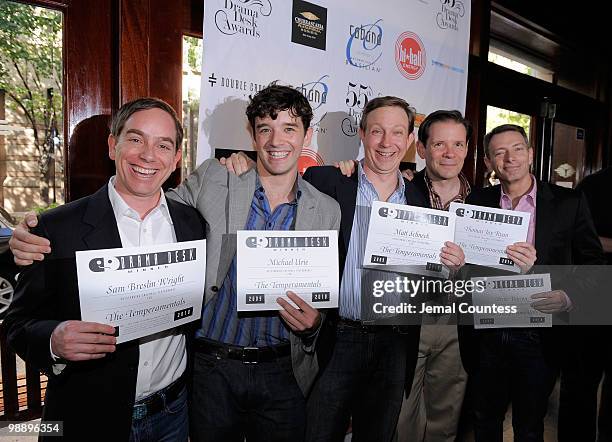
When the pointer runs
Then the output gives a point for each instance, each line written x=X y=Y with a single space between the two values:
x=270 y=263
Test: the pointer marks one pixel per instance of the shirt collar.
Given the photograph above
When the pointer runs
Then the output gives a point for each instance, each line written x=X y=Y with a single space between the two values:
x=260 y=191
x=464 y=187
x=401 y=188
x=121 y=208
x=529 y=196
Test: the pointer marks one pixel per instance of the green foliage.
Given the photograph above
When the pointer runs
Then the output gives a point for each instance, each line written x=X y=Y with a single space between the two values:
x=194 y=53
x=497 y=116
x=41 y=209
x=31 y=68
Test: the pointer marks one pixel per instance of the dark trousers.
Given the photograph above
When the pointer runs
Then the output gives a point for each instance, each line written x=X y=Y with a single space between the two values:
x=364 y=379
x=231 y=401
x=580 y=378
x=511 y=368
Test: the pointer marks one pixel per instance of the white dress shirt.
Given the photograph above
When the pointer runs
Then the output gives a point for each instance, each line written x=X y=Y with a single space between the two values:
x=163 y=356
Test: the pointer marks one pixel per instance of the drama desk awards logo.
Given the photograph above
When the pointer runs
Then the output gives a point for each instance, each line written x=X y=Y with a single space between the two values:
x=450 y=13
x=242 y=16
x=410 y=56
x=309 y=24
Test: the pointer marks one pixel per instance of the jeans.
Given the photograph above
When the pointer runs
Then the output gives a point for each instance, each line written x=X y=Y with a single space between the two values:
x=231 y=401
x=169 y=425
x=511 y=368
x=364 y=379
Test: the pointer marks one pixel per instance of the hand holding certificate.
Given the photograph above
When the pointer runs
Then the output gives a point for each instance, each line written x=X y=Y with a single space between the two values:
x=408 y=239
x=484 y=233
x=272 y=262
x=142 y=290
x=514 y=296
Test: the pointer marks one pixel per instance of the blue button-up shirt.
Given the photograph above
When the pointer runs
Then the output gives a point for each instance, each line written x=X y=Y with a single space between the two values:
x=350 y=288
x=220 y=319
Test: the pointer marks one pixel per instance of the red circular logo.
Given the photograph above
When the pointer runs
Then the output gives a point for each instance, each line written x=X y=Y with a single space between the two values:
x=309 y=158
x=410 y=55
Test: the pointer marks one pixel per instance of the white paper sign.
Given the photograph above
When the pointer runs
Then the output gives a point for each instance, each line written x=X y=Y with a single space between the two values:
x=407 y=239
x=271 y=262
x=142 y=290
x=484 y=233
x=511 y=293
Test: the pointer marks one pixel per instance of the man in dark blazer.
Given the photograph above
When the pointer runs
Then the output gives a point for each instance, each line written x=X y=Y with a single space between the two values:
x=251 y=373
x=93 y=383
x=521 y=365
x=366 y=367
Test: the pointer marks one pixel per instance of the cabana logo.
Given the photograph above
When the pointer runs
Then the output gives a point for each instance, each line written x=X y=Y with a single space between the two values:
x=316 y=92
x=242 y=16
x=364 y=46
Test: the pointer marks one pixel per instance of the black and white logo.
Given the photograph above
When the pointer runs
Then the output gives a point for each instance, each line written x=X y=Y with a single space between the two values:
x=309 y=26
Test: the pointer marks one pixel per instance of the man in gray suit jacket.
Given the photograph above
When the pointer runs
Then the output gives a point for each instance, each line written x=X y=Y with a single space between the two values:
x=251 y=373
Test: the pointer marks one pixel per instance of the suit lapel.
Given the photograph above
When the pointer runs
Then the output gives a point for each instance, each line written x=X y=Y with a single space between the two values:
x=544 y=221
x=346 y=192
x=306 y=208
x=99 y=215
x=241 y=190
x=182 y=226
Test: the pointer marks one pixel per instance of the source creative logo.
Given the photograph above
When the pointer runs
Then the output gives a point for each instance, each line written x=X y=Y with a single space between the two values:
x=364 y=46
x=450 y=13
x=309 y=24
x=242 y=16
x=410 y=56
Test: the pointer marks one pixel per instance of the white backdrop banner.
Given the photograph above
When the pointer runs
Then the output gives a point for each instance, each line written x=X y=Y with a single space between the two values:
x=340 y=54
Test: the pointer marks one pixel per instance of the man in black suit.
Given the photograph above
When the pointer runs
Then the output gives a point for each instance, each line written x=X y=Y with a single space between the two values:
x=100 y=390
x=521 y=365
x=591 y=352
x=368 y=366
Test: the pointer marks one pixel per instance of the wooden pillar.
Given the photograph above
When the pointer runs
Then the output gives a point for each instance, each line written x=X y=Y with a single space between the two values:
x=476 y=103
x=2 y=148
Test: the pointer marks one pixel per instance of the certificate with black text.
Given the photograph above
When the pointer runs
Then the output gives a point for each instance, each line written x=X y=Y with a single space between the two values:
x=484 y=233
x=142 y=290
x=407 y=239
x=506 y=301
x=271 y=262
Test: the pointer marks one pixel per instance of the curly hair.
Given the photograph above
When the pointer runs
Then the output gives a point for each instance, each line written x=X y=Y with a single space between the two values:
x=275 y=98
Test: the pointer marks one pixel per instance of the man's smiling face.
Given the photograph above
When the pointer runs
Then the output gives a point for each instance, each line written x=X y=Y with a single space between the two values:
x=145 y=153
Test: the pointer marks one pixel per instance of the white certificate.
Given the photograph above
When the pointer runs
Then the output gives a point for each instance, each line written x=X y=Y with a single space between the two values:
x=142 y=290
x=407 y=239
x=484 y=233
x=512 y=295
x=270 y=262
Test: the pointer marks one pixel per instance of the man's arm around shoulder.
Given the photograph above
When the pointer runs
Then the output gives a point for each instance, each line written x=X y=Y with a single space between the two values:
x=190 y=190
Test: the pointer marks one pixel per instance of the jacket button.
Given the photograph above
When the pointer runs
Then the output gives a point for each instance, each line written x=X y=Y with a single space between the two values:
x=214 y=288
